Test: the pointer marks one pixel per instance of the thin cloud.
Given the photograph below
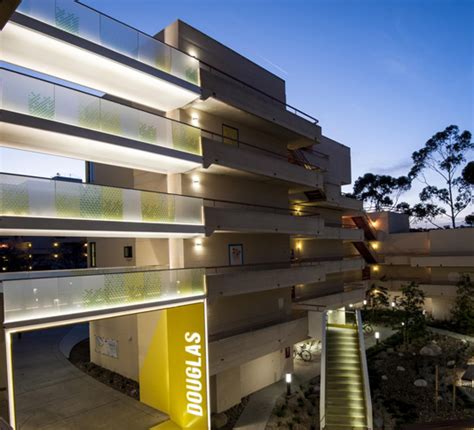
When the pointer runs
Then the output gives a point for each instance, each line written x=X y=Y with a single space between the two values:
x=276 y=66
x=399 y=167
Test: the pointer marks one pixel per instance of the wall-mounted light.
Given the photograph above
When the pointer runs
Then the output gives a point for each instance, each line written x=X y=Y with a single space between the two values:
x=55 y=255
x=55 y=244
x=29 y=245
x=375 y=268
x=192 y=53
x=351 y=305
x=298 y=246
x=198 y=243
x=374 y=245
x=196 y=181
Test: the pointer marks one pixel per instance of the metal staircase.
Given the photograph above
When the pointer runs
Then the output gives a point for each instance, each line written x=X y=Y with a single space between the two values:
x=367 y=253
x=345 y=392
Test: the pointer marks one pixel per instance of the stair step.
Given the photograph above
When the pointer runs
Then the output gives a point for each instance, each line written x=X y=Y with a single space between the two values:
x=339 y=384
x=334 y=415
x=348 y=421
x=343 y=427
x=334 y=362
x=342 y=403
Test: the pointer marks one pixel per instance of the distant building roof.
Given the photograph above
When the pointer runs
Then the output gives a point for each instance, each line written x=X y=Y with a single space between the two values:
x=66 y=179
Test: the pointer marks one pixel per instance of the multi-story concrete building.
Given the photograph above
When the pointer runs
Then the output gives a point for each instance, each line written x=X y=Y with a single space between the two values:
x=436 y=259
x=198 y=172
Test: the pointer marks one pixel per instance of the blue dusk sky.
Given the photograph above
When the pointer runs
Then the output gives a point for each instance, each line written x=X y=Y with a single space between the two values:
x=382 y=76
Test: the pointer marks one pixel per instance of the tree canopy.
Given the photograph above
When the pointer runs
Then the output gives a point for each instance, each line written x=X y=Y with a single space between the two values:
x=380 y=191
x=468 y=173
x=448 y=193
x=443 y=155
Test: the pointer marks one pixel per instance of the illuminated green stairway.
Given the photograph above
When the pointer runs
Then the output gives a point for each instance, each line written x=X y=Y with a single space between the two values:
x=345 y=399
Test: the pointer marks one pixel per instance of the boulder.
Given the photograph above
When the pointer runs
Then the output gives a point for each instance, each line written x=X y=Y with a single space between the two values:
x=420 y=383
x=219 y=420
x=431 y=350
x=384 y=378
x=450 y=363
x=400 y=368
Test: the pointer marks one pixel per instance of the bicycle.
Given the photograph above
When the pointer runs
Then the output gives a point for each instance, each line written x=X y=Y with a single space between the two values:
x=302 y=353
x=367 y=328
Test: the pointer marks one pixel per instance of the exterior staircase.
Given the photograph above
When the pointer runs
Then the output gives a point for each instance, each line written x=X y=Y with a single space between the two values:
x=347 y=404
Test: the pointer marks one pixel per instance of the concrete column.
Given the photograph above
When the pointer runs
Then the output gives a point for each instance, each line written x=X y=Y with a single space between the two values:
x=3 y=369
x=315 y=324
x=176 y=246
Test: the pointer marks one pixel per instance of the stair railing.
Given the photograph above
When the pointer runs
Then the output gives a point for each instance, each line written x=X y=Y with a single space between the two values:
x=322 y=382
x=365 y=371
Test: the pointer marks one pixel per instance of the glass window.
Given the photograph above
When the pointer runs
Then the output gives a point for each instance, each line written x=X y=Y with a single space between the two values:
x=230 y=135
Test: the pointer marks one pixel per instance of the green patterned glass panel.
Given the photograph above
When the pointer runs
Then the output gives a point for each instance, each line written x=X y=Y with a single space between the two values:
x=186 y=138
x=157 y=207
x=66 y=20
x=147 y=133
x=152 y=281
x=112 y=203
x=91 y=202
x=15 y=199
x=93 y=290
x=41 y=106
x=134 y=286
x=110 y=121
x=89 y=115
x=192 y=75
x=114 y=288
x=67 y=200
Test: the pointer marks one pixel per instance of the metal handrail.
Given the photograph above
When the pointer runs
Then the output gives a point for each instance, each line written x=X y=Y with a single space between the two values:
x=239 y=144
x=365 y=371
x=287 y=106
x=204 y=132
x=322 y=382
x=275 y=209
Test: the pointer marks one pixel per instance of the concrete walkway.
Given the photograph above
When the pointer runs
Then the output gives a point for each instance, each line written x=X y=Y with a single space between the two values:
x=452 y=334
x=52 y=394
x=261 y=403
x=260 y=406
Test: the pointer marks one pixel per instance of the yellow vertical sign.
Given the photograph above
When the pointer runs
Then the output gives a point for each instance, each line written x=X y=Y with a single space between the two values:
x=187 y=366
x=173 y=374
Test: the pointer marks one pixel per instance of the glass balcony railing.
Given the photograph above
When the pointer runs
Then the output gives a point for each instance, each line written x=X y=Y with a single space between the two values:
x=37 y=197
x=86 y=291
x=87 y=23
x=42 y=99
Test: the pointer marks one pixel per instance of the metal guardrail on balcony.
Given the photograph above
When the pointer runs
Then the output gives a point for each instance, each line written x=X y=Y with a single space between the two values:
x=27 y=196
x=88 y=291
x=282 y=104
x=38 y=98
x=92 y=25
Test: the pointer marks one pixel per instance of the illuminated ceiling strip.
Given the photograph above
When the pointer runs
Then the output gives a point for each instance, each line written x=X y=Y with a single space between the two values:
x=61 y=320
x=98 y=233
